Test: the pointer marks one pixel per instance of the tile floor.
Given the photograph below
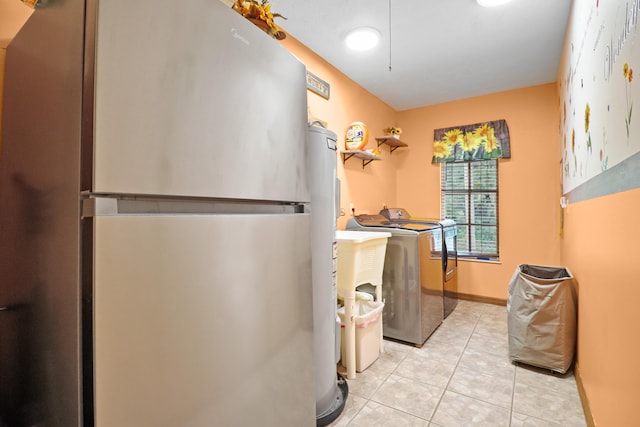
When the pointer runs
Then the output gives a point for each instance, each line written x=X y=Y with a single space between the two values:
x=462 y=376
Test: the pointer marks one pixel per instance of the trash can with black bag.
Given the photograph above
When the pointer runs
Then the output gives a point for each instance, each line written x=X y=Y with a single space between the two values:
x=542 y=317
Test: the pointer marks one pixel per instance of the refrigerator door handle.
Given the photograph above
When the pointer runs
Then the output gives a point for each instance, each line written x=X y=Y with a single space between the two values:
x=445 y=257
x=95 y=204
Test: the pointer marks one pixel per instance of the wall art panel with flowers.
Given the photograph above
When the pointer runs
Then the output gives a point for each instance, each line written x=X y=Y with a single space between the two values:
x=480 y=141
x=597 y=90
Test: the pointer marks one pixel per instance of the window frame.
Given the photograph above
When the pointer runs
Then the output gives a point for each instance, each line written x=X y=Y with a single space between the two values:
x=468 y=191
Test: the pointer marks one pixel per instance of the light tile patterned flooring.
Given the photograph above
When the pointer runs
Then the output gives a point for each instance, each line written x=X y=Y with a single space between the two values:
x=462 y=376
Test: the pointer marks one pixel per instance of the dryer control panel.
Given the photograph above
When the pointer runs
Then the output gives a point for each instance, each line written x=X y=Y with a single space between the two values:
x=395 y=213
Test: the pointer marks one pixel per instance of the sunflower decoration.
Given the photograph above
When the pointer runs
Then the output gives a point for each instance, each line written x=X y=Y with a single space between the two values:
x=627 y=72
x=587 y=117
x=259 y=12
x=480 y=141
x=31 y=3
x=453 y=136
x=470 y=142
x=587 y=121
x=441 y=150
x=482 y=132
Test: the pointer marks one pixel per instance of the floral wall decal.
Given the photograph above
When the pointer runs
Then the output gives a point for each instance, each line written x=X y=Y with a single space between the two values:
x=480 y=141
x=596 y=89
x=587 y=116
x=628 y=76
x=604 y=158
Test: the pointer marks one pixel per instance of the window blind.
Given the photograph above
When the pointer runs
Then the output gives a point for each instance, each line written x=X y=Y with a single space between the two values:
x=469 y=196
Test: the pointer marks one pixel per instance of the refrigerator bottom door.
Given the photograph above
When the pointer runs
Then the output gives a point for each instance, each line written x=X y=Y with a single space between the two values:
x=203 y=320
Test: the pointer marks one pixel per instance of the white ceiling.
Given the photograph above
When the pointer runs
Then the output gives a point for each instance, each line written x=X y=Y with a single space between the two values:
x=440 y=50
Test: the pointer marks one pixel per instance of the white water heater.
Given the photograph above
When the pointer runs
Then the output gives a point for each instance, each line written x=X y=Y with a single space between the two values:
x=331 y=392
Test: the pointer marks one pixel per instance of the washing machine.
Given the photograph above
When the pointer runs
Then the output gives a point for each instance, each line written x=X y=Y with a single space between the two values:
x=449 y=251
x=412 y=280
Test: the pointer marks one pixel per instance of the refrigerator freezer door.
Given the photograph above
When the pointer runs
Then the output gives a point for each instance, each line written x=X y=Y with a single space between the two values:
x=192 y=99
x=203 y=320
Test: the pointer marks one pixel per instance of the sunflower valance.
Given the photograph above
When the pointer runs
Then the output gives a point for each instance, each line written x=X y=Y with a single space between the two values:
x=480 y=141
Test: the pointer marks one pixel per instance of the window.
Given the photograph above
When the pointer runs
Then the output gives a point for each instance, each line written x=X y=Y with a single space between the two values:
x=469 y=196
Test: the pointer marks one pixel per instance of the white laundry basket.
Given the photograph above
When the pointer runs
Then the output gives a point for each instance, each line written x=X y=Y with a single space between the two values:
x=360 y=256
x=368 y=321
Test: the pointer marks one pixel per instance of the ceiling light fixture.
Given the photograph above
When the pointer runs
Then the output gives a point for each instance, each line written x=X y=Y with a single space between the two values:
x=363 y=38
x=492 y=3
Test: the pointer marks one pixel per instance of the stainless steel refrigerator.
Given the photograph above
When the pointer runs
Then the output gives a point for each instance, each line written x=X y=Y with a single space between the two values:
x=155 y=254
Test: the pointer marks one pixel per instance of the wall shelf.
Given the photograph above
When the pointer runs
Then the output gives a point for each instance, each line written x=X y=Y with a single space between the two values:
x=360 y=154
x=392 y=142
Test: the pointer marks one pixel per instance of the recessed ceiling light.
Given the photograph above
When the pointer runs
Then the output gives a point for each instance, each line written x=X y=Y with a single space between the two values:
x=492 y=3
x=363 y=38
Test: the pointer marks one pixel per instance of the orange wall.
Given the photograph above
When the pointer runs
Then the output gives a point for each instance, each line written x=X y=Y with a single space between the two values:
x=367 y=188
x=601 y=234
x=599 y=246
x=529 y=181
x=598 y=233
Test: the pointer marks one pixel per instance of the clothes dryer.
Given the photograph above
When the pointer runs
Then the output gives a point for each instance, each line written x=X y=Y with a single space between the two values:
x=449 y=250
